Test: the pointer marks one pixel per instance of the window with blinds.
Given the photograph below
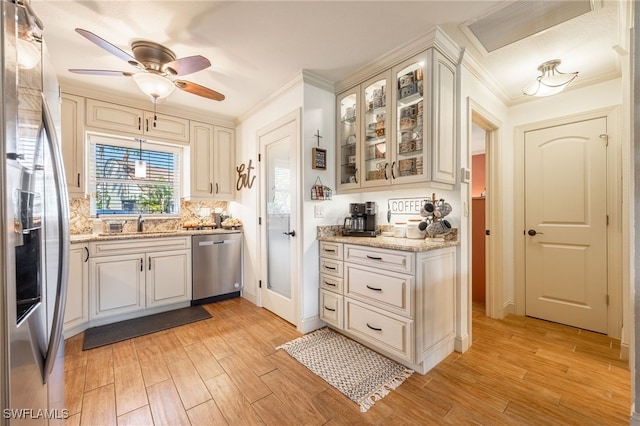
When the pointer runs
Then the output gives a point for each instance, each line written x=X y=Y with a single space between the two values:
x=116 y=190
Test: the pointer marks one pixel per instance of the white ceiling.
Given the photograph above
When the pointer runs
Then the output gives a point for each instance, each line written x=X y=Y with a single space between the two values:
x=256 y=47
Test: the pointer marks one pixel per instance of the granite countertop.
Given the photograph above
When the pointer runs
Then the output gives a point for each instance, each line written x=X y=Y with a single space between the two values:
x=393 y=243
x=86 y=238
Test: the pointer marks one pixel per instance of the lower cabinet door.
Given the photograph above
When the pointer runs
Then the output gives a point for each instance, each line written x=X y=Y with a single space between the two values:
x=387 y=331
x=76 y=310
x=168 y=277
x=116 y=285
x=331 y=310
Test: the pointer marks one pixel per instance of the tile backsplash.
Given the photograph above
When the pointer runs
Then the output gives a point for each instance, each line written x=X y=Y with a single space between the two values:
x=81 y=222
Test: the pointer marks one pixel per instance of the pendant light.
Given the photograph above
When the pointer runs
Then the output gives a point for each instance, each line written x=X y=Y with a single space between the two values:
x=551 y=81
x=141 y=165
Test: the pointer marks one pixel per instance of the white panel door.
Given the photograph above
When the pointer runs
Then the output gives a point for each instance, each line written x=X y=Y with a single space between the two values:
x=566 y=224
x=279 y=212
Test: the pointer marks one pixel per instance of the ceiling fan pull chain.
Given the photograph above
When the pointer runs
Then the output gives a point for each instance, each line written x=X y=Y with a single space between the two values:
x=155 y=117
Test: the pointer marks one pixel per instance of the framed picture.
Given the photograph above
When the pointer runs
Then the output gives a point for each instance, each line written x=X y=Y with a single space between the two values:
x=319 y=156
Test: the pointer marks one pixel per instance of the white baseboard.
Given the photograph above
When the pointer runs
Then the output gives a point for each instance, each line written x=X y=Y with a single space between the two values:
x=461 y=344
x=509 y=308
x=624 y=351
x=250 y=297
x=307 y=325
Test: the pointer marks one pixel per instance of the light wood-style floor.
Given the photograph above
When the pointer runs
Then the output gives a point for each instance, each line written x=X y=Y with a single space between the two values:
x=226 y=370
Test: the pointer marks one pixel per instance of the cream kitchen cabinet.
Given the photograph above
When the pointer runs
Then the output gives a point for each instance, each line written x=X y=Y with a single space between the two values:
x=398 y=128
x=76 y=311
x=400 y=303
x=331 y=284
x=123 y=119
x=212 y=162
x=132 y=275
x=73 y=142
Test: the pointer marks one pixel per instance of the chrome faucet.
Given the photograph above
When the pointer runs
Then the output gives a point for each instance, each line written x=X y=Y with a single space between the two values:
x=140 y=223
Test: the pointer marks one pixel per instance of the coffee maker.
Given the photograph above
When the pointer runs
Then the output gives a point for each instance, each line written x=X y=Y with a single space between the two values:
x=362 y=222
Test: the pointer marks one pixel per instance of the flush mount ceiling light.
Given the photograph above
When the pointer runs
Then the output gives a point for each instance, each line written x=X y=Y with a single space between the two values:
x=551 y=81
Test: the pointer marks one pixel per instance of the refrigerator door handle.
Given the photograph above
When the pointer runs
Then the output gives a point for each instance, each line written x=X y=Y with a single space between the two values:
x=64 y=244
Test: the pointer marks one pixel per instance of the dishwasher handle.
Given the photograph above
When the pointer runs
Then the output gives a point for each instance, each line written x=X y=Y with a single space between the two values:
x=210 y=243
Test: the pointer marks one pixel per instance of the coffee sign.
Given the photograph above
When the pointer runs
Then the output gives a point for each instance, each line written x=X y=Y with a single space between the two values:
x=406 y=206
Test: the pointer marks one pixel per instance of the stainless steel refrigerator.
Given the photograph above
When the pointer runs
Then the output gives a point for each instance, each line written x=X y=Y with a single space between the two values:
x=34 y=246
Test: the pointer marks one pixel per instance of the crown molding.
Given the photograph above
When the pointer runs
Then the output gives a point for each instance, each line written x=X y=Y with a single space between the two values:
x=436 y=37
x=478 y=71
x=130 y=100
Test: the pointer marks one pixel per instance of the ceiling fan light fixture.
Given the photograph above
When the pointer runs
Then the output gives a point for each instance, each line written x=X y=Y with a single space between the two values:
x=551 y=81
x=154 y=85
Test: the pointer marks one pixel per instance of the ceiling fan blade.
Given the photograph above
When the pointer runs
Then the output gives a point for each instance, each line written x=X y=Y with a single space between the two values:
x=196 y=89
x=108 y=46
x=188 y=65
x=101 y=72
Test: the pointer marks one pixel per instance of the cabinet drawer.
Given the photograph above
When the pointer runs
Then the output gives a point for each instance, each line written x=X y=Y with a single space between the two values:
x=389 y=332
x=331 y=267
x=108 y=248
x=387 y=290
x=331 y=250
x=331 y=283
x=331 y=310
x=390 y=260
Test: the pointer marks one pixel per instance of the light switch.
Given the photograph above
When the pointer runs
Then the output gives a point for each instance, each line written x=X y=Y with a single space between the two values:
x=318 y=211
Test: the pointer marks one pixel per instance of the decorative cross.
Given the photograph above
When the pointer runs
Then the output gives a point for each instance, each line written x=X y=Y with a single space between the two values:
x=317 y=135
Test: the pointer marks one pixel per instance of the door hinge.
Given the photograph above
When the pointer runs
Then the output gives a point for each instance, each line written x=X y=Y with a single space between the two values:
x=607 y=300
x=259 y=158
x=607 y=220
x=259 y=283
x=259 y=220
x=606 y=139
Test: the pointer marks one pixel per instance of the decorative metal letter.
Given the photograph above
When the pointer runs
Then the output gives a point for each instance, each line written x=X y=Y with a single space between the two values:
x=245 y=180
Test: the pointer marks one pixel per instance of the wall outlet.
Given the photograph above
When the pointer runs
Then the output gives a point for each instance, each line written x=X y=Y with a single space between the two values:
x=318 y=211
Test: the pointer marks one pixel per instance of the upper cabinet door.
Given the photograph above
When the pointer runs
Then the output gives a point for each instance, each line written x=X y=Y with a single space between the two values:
x=166 y=127
x=348 y=139
x=376 y=131
x=443 y=166
x=201 y=160
x=106 y=115
x=72 y=129
x=411 y=113
x=224 y=149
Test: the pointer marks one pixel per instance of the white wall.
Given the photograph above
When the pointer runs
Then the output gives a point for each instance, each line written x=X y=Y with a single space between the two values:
x=246 y=205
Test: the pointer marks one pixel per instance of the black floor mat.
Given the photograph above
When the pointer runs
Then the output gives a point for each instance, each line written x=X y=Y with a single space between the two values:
x=123 y=330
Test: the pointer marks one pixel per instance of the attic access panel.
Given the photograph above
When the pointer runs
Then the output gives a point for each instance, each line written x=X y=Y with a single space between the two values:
x=520 y=20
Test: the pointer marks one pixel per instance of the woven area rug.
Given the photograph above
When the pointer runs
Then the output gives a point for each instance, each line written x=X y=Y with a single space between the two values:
x=359 y=373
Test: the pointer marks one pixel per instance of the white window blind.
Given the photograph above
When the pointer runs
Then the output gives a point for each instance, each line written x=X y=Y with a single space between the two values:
x=114 y=187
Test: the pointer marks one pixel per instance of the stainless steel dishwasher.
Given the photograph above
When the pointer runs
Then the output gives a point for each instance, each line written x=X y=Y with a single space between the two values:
x=216 y=261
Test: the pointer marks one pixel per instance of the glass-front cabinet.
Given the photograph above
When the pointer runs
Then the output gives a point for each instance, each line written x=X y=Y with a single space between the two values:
x=376 y=126
x=347 y=139
x=411 y=153
x=403 y=130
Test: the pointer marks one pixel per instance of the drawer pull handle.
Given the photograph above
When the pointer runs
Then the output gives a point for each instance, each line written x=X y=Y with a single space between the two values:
x=373 y=288
x=331 y=284
x=374 y=328
x=329 y=309
x=330 y=267
x=373 y=257
x=330 y=251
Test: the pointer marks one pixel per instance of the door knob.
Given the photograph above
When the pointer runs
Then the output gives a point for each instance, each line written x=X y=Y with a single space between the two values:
x=533 y=232
x=291 y=234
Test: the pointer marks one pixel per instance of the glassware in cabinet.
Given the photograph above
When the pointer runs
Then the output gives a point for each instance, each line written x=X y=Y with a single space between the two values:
x=376 y=125
x=348 y=139
x=410 y=151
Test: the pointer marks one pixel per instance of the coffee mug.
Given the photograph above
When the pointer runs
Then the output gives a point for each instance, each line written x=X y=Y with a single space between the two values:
x=439 y=228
